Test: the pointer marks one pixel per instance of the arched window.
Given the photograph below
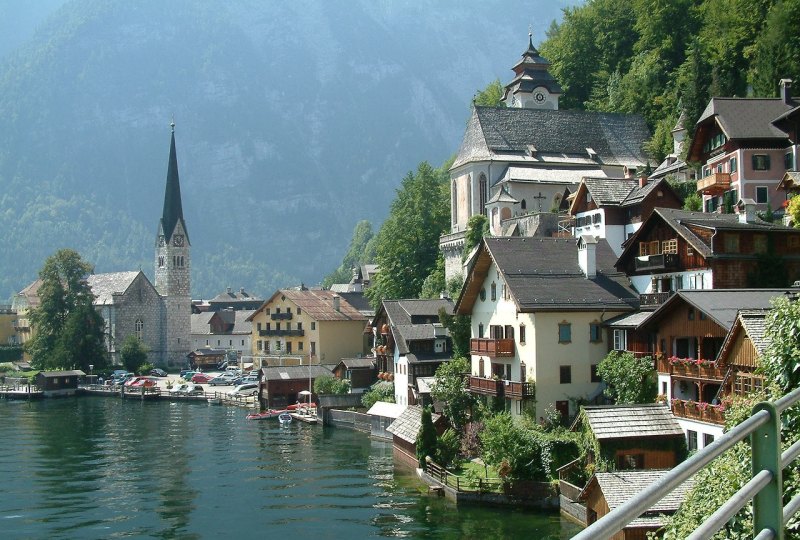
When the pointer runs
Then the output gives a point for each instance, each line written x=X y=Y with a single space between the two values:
x=480 y=330
x=139 y=327
x=483 y=192
x=524 y=204
x=494 y=292
x=454 y=190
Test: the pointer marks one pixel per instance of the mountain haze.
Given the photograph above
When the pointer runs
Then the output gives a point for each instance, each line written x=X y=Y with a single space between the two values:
x=294 y=120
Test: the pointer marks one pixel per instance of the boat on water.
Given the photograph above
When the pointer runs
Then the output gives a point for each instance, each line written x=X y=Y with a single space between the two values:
x=285 y=418
x=215 y=401
x=264 y=415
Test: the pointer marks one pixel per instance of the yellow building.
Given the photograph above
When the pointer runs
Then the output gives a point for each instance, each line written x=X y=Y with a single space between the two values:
x=8 y=322
x=303 y=326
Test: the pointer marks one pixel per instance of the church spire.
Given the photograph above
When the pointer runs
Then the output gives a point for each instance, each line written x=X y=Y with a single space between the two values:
x=173 y=209
x=533 y=86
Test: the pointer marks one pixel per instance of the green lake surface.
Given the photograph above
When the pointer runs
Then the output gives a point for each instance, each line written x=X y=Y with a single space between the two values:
x=96 y=467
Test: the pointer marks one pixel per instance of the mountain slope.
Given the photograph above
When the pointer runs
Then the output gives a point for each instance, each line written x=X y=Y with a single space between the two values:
x=294 y=122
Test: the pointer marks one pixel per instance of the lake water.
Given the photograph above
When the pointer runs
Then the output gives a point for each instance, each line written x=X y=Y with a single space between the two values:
x=93 y=467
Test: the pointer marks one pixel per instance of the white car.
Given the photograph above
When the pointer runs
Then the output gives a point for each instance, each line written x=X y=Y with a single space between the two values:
x=244 y=390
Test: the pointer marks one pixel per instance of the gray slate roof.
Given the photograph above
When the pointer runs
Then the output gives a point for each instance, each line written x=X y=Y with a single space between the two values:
x=747 y=118
x=620 y=486
x=630 y=421
x=754 y=322
x=287 y=373
x=628 y=320
x=105 y=285
x=199 y=322
x=408 y=424
x=721 y=305
x=357 y=363
x=401 y=313
x=234 y=296
x=617 y=139
x=543 y=274
x=69 y=373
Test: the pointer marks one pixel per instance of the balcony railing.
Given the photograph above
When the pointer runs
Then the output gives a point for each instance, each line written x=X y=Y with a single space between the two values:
x=520 y=390
x=689 y=369
x=281 y=316
x=714 y=184
x=497 y=348
x=662 y=261
x=654 y=299
x=488 y=387
x=294 y=333
x=703 y=412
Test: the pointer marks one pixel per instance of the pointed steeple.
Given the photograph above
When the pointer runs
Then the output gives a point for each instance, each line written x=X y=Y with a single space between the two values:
x=173 y=209
x=532 y=86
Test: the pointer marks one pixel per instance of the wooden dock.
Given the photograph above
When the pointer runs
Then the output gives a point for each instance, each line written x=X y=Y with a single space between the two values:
x=307 y=418
x=20 y=392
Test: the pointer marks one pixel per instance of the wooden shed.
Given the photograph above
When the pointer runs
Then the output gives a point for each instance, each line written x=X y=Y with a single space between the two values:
x=609 y=490
x=59 y=383
x=404 y=432
x=361 y=372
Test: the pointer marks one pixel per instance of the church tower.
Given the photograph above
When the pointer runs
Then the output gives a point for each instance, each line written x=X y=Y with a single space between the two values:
x=533 y=87
x=172 y=264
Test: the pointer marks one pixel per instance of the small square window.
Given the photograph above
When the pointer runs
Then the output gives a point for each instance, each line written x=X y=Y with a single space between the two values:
x=691 y=440
x=313 y=325
x=564 y=332
x=762 y=194
x=761 y=162
x=565 y=374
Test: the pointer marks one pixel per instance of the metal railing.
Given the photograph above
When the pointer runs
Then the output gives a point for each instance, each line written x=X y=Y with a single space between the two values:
x=765 y=487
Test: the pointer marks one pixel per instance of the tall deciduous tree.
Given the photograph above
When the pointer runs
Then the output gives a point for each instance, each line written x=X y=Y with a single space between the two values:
x=407 y=245
x=448 y=388
x=490 y=96
x=68 y=331
x=133 y=353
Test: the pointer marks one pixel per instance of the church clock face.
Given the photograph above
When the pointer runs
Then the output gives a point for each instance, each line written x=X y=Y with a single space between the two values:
x=539 y=97
x=178 y=240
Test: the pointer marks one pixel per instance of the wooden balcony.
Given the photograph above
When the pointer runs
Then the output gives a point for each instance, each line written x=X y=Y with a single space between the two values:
x=706 y=371
x=495 y=348
x=289 y=333
x=486 y=387
x=663 y=261
x=520 y=390
x=281 y=316
x=654 y=299
x=714 y=184
x=702 y=412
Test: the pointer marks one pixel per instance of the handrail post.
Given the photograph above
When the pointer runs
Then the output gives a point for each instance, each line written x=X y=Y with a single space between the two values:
x=766 y=445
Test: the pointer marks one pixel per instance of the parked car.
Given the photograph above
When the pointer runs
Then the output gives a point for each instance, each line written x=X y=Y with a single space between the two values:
x=201 y=378
x=236 y=381
x=222 y=366
x=187 y=376
x=179 y=388
x=244 y=390
x=146 y=382
x=220 y=381
x=157 y=372
x=194 y=389
x=250 y=379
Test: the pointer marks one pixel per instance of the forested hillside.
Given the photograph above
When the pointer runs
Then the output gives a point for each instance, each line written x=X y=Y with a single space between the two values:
x=658 y=57
x=295 y=121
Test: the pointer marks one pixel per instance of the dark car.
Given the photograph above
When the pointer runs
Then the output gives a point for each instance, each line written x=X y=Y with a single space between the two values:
x=156 y=372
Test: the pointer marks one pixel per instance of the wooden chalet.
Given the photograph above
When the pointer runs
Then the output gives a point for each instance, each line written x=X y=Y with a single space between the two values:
x=678 y=249
x=207 y=358
x=607 y=491
x=59 y=383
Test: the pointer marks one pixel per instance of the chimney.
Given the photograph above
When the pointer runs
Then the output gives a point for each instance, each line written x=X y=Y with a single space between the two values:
x=786 y=91
x=336 y=300
x=241 y=290
x=642 y=180
x=587 y=255
x=229 y=290
x=747 y=210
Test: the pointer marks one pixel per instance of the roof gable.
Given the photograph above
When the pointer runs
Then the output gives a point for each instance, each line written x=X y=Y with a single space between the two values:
x=629 y=421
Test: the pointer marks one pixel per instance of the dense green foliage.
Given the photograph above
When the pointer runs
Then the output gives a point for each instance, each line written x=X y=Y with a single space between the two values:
x=717 y=482
x=449 y=387
x=426 y=438
x=793 y=209
x=658 y=57
x=133 y=353
x=331 y=385
x=628 y=379
x=460 y=327
x=407 y=245
x=68 y=331
x=525 y=453
x=10 y=353
x=490 y=96
x=448 y=446
x=380 y=391
x=477 y=228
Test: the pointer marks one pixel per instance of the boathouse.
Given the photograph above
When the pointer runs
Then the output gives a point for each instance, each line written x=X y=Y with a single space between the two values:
x=59 y=383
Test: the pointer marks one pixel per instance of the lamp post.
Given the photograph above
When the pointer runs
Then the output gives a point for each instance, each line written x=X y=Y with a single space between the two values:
x=91 y=367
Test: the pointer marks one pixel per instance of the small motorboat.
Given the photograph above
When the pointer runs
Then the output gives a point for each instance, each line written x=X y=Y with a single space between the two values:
x=214 y=401
x=264 y=415
x=285 y=418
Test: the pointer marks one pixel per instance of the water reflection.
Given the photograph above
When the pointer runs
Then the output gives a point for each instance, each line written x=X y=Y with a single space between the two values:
x=103 y=467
